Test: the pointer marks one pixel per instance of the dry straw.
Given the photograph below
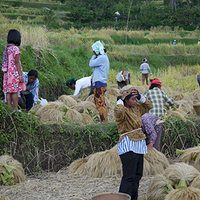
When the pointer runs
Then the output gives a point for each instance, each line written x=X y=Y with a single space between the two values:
x=87 y=119
x=190 y=154
x=184 y=105
x=74 y=116
x=159 y=187
x=2 y=197
x=11 y=170
x=181 y=174
x=184 y=194
x=196 y=182
x=157 y=162
x=75 y=98
x=85 y=105
x=68 y=100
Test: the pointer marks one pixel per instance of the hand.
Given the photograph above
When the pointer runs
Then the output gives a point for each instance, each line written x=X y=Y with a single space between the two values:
x=150 y=146
x=21 y=79
x=138 y=95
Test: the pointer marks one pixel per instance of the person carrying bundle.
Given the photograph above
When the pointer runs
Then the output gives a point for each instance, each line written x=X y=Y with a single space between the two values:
x=132 y=146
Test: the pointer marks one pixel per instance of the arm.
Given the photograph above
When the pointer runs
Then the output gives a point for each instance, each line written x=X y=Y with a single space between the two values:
x=77 y=91
x=119 y=111
x=96 y=61
x=149 y=69
x=145 y=105
x=168 y=99
x=17 y=63
x=141 y=68
x=36 y=91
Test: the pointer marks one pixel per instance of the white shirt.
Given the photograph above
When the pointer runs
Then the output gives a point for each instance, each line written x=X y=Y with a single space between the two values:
x=81 y=84
x=145 y=69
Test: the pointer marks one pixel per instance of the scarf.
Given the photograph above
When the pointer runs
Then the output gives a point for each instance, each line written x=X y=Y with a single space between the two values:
x=98 y=47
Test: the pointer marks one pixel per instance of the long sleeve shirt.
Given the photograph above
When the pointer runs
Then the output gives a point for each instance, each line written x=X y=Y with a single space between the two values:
x=129 y=119
x=34 y=87
x=81 y=84
x=158 y=98
x=145 y=69
x=100 y=65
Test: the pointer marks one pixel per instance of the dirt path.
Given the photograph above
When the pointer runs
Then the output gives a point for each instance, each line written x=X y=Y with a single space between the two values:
x=62 y=186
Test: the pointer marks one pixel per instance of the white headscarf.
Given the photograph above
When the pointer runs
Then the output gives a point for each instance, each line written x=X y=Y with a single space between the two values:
x=98 y=47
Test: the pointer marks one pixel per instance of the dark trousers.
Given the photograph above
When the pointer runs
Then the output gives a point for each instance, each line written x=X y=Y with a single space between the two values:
x=132 y=166
x=29 y=101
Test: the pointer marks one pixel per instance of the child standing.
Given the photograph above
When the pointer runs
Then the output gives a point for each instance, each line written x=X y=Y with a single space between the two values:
x=132 y=146
x=13 y=81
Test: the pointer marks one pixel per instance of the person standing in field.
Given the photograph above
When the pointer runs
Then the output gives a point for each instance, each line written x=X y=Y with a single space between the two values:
x=158 y=98
x=79 y=85
x=145 y=70
x=131 y=146
x=100 y=64
x=32 y=90
x=174 y=42
x=13 y=81
x=198 y=79
x=199 y=42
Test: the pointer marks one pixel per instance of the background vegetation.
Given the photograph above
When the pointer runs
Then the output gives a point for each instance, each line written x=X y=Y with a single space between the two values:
x=57 y=43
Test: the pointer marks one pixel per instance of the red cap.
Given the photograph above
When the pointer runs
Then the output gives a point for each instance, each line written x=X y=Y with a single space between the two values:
x=156 y=81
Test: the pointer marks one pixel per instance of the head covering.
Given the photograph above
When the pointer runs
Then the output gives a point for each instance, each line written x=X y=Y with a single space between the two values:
x=156 y=82
x=125 y=91
x=70 y=80
x=122 y=76
x=98 y=47
x=144 y=60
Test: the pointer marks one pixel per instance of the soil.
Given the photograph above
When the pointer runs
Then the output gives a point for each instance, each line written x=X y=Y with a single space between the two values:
x=63 y=186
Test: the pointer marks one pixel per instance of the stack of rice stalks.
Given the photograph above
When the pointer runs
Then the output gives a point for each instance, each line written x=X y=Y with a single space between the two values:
x=11 y=171
x=177 y=182
x=108 y=163
x=2 y=197
x=66 y=110
x=191 y=156
x=193 y=97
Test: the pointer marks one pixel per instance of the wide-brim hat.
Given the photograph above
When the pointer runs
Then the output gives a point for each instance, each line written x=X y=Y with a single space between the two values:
x=126 y=90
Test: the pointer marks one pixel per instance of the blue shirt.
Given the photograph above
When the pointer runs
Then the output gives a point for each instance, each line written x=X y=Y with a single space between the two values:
x=100 y=65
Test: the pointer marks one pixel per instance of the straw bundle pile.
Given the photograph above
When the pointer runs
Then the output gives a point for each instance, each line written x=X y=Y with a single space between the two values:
x=75 y=98
x=159 y=187
x=157 y=162
x=184 y=194
x=176 y=113
x=67 y=100
x=81 y=106
x=87 y=119
x=193 y=97
x=11 y=171
x=190 y=155
x=91 y=99
x=141 y=89
x=108 y=163
x=184 y=105
x=102 y=164
x=74 y=116
x=167 y=90
x=181 y=174
x=35 y=108
x=113 y=91
x=176 y=180
x=196 y=182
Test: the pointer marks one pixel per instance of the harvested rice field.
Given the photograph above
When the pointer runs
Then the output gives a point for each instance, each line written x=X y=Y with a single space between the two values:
x=63 y=186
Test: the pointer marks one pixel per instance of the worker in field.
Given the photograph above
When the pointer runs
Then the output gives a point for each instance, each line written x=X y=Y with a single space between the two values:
x=158 y=98
x=145 y=70
x=199 y=42
x=79 y=85
x=123 y=78
x=174 y=42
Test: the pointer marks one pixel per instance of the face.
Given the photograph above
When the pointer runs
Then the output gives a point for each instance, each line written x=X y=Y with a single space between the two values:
x=95 y=53
x=72 y=87
x=130 y=102
x=31 y=79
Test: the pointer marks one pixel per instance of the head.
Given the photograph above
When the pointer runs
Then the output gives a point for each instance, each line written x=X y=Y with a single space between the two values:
x=32 y=75
x=71 y=83
x=155 y=83
x=127 y=96
x=14 y=37
x=98 y=48
x=144 y=60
